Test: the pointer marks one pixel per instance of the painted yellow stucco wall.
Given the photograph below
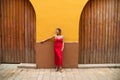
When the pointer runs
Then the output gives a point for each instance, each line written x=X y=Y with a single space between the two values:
x=64 y=14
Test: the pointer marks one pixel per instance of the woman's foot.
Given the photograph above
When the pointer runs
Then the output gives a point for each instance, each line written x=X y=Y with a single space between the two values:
x=61 y=70
x=57 y=69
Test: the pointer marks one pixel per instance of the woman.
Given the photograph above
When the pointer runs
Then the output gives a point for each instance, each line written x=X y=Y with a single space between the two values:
x=58 y=48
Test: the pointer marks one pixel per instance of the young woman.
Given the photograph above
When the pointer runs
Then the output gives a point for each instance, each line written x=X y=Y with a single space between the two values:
x=58 y=48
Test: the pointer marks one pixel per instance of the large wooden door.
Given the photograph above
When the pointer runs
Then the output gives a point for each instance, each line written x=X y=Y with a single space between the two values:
x=17 y=31
x=100 y=32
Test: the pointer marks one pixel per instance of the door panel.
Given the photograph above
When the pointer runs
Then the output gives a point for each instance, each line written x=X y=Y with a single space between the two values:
x=14 y=15
x=99 y=32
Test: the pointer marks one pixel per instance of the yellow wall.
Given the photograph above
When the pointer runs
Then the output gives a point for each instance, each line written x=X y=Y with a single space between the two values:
x=51 y=14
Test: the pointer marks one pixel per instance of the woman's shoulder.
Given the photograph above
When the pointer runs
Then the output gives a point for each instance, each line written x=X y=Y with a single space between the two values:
x=55 y=35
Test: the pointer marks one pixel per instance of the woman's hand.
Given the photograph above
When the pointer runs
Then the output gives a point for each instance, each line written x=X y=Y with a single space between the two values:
x=62 y=48
x=42 y=42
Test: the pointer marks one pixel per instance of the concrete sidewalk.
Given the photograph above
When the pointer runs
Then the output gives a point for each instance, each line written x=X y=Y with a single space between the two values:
x=12 y=72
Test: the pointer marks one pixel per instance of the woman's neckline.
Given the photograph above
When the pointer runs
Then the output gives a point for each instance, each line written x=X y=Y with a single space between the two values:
x=59 y=37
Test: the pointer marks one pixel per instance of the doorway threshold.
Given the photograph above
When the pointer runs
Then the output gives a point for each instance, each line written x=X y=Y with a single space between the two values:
x=98 y=65
x=27 y=65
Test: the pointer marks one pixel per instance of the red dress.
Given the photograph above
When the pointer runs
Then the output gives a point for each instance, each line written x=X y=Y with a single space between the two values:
x=58 y=51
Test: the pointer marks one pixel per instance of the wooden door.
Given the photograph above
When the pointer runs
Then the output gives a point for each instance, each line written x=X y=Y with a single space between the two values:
x=100 y=32
x=17 y=39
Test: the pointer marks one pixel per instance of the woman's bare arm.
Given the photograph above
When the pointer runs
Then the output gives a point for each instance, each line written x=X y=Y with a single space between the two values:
x=48 y=39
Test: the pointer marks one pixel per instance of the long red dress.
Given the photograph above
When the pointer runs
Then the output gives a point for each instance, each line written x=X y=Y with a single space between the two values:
x=58 y=51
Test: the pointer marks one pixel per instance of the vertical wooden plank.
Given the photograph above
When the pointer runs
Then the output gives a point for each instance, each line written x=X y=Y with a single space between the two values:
x=14 y=31
x=112 y=54
x=32 y=20
x=84 y=55
x=98 y=32
x=95 y=31
x=34 y=36
x=28 y=29
x=118 y=24
x=104 y=29
x=92 y=57
x=5 y=42
x=34 y=32
x=81 y=39
x=89 y=34
x=0 y=34
x=118 y=31
x=21 y=29
x=110 y=32
x=9 y=32
x=31 y=32
x=85 y=37
x=31 y=36
x=113 y=27
x=5 y=31
x=106 y=32
x=115 y=33
x=96 y=27
x=17 y=31
x=26 y=34
x=100 y=50
x=2 y=30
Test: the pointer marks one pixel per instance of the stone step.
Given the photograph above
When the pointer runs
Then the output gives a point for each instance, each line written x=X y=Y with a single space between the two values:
x=98 y=65
x=26 y=65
